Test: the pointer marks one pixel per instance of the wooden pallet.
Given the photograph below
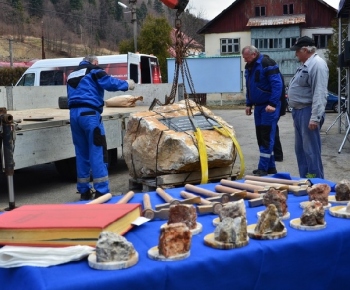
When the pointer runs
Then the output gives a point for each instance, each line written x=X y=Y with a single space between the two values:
x=180 y=179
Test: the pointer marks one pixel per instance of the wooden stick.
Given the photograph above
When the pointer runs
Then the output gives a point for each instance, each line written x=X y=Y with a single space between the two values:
x=147 y=201
x=126 y=197
x=277 y=180
x=101 y=199
x=242 y=186
x=167 y=197
x=200 y=190
x=186 y=195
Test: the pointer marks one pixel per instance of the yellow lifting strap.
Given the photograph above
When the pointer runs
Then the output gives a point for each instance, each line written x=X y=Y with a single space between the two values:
x=203 y=157
x=226 y=132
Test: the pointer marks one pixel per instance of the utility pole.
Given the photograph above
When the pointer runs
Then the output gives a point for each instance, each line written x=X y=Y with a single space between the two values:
x=42 y=41
x=10 y=48
x=133 y=21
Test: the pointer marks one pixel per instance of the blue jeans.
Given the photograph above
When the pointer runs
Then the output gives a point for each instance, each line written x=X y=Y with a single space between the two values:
x=307 y=144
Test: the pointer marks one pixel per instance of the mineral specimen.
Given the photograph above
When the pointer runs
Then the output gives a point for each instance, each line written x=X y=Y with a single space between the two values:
x=230 y=230
x=342 y=190
x=319 y=192
x=112 y=247
x=313 y=214
x=269 y=221
x=185 y=213
x=276 y=197
x=174 y=239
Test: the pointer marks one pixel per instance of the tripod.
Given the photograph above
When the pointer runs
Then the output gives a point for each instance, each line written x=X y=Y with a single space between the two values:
x=343 y=111
x=346 y=133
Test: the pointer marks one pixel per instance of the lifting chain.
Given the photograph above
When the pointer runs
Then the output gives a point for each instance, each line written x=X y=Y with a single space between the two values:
x=180 y=67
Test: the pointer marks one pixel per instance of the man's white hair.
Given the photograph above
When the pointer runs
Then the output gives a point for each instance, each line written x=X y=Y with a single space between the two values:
x=90 y=58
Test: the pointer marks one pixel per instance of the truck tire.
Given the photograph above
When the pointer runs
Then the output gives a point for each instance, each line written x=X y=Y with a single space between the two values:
x=63 y=102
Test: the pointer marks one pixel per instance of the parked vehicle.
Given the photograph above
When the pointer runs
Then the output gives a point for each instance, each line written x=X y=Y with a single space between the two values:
x=332 y=103
x=142 y=68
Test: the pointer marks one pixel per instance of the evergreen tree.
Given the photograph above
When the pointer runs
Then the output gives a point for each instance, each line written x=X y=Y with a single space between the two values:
x=76 y=4
x=118 y=12
x=141 y=13
x=155 y=39
x=149 y=3
x=36 y=8
x=332 y=59
x=158 y=6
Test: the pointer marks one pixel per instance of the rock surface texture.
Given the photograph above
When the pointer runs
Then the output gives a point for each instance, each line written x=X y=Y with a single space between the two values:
x=232 y=227
x=276 y=197
x=269 y=221
x=313 y=214
x=342 y=190
x=151 y=148
x=174 y=239
x=230 y=230
x=319 y=192
x=185 y=213
x=233 y=210
x=112 y=247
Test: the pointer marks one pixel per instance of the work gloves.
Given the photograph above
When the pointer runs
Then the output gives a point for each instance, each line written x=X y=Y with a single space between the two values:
x=131 y=84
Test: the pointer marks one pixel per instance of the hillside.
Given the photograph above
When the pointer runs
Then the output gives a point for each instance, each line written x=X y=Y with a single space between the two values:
x=75 y=27
x=30 y=49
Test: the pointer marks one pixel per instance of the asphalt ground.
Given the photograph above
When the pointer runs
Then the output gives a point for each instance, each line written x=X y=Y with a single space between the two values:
x=42 y=184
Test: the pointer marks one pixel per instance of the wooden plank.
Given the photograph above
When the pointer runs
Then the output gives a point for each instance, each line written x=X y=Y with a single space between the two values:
x=178 y=179
x=182 y=178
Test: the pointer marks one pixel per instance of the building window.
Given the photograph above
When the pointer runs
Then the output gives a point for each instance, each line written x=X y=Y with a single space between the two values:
x=260 y=11
x=268 y=43
x=288 y=9
x=229 y=45
x=290 y=41
x=321 y=40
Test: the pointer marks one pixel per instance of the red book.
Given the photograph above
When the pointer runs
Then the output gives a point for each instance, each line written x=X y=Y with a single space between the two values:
x=65 y=224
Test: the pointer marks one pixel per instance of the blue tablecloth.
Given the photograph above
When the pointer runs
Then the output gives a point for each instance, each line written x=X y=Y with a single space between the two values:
x=301 y=260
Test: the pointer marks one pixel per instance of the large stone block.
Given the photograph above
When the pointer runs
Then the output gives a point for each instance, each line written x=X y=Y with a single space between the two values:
x=152 y=149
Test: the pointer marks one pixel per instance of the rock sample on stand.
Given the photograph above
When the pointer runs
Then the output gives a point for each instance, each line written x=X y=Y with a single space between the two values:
x=269 y=221
x=112 y=247
x=276 y=197
x=233 y=210
x=319 y=192
x=230 y=230
x=174 y=239
x=232 y=227
x=185 y=213
x=313 y=214
x=342 y=190
x=154 y=147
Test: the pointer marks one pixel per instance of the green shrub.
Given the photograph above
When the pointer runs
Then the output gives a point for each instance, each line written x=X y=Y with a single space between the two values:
x=10 y=75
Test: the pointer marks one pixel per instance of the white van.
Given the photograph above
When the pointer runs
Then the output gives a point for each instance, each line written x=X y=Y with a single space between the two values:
x=142 y=68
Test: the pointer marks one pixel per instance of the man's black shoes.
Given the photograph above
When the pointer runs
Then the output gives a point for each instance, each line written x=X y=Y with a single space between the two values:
x=278 y=159
x=271 y=171
x=260 y=172
x=98 y=194
x=87 y=195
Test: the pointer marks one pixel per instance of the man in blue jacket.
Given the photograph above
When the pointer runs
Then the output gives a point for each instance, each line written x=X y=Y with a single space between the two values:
x=85 y=89
x=264 y=89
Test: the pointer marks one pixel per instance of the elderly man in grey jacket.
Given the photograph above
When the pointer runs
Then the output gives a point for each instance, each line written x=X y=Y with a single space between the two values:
x=307 y=96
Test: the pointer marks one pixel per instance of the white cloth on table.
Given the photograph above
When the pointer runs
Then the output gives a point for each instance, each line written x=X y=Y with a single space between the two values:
x=18 y=256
